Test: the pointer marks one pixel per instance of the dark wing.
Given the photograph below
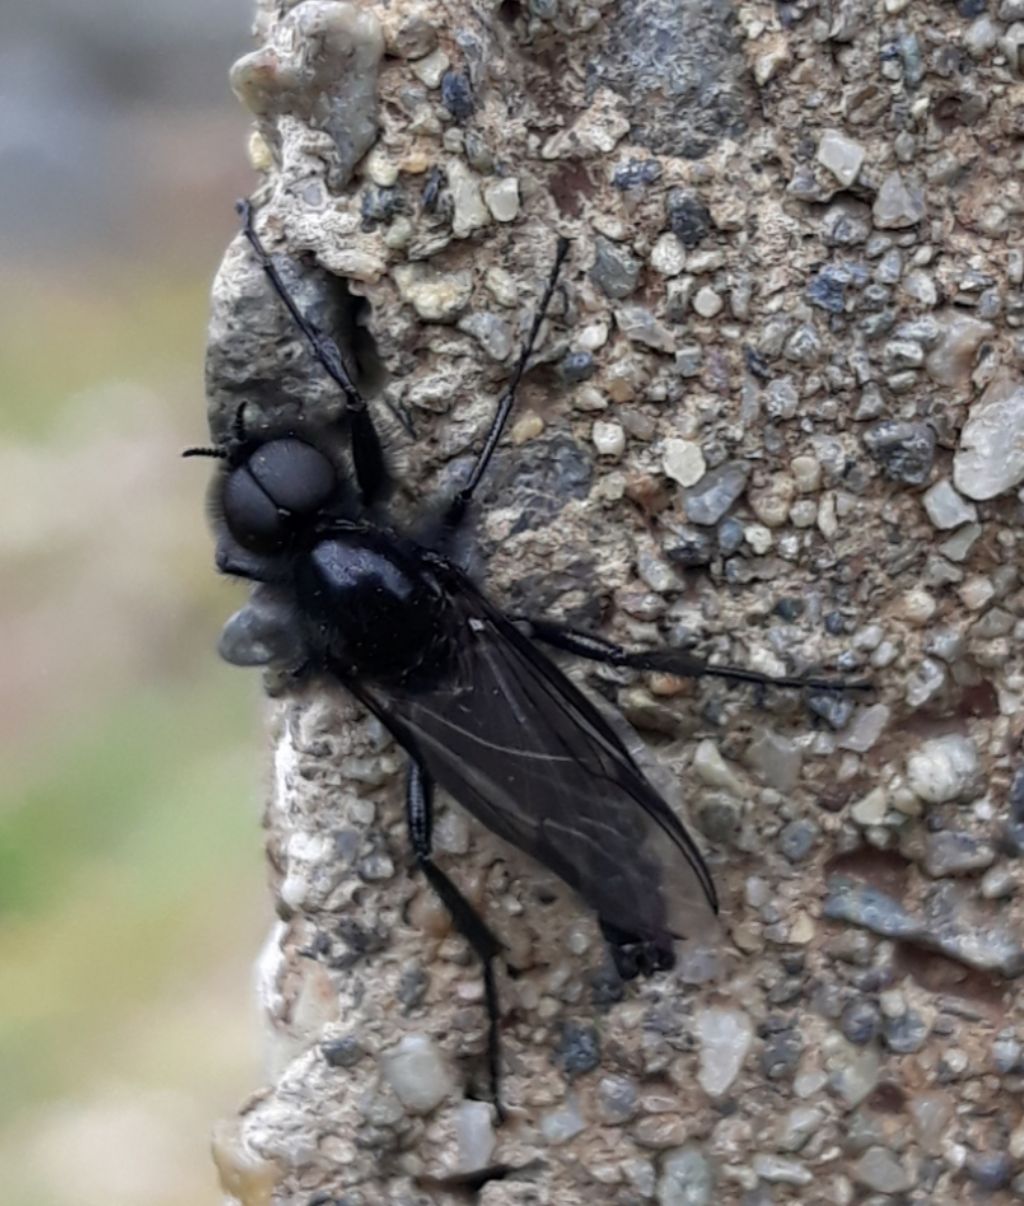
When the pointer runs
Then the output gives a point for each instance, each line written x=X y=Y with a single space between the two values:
x=519 y=746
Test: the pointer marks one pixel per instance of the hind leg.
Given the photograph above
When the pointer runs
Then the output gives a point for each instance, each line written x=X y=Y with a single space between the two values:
x=419 y=815
x=635 y=956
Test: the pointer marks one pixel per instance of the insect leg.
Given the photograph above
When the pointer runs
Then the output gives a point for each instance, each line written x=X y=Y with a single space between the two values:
x=367 y=455
x=419 y=815
x=457 y=508
x=672 y=661
x=635 y=956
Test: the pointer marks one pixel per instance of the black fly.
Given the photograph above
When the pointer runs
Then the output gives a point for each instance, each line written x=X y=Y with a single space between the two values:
x=465 y=689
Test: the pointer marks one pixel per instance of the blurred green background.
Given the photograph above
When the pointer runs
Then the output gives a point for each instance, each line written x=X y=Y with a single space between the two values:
x=131 y=871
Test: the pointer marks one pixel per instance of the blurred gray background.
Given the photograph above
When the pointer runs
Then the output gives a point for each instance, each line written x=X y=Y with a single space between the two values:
x=131 y=901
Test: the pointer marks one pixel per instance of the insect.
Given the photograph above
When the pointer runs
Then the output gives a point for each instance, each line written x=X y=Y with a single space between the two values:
x=391 y=612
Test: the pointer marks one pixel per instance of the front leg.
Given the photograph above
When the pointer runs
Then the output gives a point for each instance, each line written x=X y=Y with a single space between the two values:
x=669 y=661
x=419 y=815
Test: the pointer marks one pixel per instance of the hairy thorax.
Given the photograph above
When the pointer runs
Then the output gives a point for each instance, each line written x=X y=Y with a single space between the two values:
x=372 y=610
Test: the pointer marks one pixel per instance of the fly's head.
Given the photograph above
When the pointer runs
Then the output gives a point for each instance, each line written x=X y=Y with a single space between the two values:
x=275 y=493
x=269 y=493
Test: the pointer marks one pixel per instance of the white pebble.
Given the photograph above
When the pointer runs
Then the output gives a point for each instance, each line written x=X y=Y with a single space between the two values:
x=475 y=1134
x=806 y=473
x=593 y=336
x=841 y=155
x=432 y=67
x=977 y=592
x=871 y=809
x=758 y=537
x=725 y=1036
x=712 y=769
x=502 y=198
x=668 y=256
x=945 y=507
x=803 y=513
x=918 y=606
x=707 y=302
x=943 y=769
x=416 y=1071
x=609 y=438
x=684 y=462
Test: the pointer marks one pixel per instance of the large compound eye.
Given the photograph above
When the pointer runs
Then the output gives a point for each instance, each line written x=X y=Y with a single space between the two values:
x=251 y=517
x=295 y=476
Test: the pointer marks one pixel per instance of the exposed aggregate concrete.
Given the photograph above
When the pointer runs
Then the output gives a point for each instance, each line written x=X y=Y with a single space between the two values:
x=778 y=414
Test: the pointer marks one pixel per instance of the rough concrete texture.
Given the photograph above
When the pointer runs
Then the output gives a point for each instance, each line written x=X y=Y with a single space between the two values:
x=778 y=412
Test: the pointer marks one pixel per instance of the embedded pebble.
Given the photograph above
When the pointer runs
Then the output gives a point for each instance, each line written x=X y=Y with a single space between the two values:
x=879 y=1170
x=430 y=68
x=776 y=759
x=639 y=324
x=502 y=198
x=904 y=450
x=797 y=839
x=952 y=357
x=921 y=287
x=323 y=67
x=872 y=808
x=771 y=502
x=990 y=457
x=683 y=461
x=615 y=271
x=469 y=211
x=951 y=853
x=797 y=1126
x=577 y=366
x=616 y=1099
x=688 y=217
x=707 y=302
x=457 y=94
x=998 y=883
x=991 y=1170
x=344 y=1052
x=562 y=1124
x=725 y=1037
x=578 y=1048
x=709 y=499
x=416 y=1070
x=668 y=256
x=491 y=331
x=945 y=507
x=987 y=947
x=869 y=907
x=943 y=769
x=778 y=1170
x=436 y=296
x=867 y=726
x=897 y=204
x=905 y=1034
x=841 y=155
x=687 y=1178
x=854 y=1075
x=977 y=592
x=712 y=769
x=474 y=1133
x=688 y=546
x=859 y=1021
x=609 y=439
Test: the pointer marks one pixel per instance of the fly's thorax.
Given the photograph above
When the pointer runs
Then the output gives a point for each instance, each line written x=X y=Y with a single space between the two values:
x=373 y=608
